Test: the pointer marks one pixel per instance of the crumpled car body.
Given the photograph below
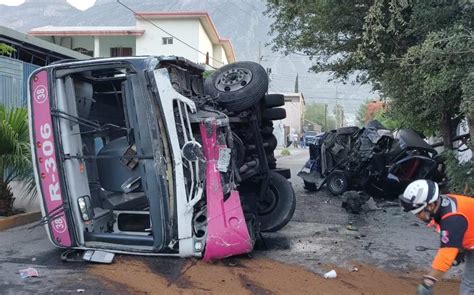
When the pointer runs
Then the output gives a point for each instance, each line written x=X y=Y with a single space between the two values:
x=131 y=156
x=371 y=159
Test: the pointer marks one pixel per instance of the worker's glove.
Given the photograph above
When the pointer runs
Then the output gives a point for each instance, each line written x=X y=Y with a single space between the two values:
x=426 y=288
x=459 y=258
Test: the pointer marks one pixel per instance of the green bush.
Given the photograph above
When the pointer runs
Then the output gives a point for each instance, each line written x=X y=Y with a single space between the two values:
x=285 y=152
x=460 y=175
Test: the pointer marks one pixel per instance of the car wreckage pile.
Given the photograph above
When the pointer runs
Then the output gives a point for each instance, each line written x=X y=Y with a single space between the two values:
x=143 y=155
x=371 y=159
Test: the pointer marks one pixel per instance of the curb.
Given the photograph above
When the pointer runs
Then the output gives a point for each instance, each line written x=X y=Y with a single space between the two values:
x=19 y=219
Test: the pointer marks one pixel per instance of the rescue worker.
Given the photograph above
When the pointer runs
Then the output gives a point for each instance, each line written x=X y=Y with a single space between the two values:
x=454 y=216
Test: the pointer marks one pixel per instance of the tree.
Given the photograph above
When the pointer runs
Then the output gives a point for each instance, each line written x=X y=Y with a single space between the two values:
x=362 y=113
x=320 y=30
x=428 y=84
x=317 y=113
x=378 y=111
x=15 y=155
x=418 y=53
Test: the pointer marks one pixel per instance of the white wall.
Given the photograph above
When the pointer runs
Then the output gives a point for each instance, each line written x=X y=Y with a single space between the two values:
x=294 y=112
x=205 y=45
x=86 y=42
x=219 y=54
x=151 y=41
x=107 y=42
x=293 y=115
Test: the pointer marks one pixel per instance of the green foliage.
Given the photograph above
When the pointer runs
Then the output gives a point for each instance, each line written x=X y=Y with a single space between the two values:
x=385 y=118
x=321 y=30
x=460 y=175
x=316 y=113
x=432 y=74
x=418 y=53
x=285 y=152
x=467 y=105
x=15 y=155
x=207 y=74
x=361 y=112
x=6 y=50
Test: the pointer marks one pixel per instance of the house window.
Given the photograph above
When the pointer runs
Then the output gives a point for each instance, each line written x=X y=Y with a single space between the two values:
x=120 y=51
x=167 y=40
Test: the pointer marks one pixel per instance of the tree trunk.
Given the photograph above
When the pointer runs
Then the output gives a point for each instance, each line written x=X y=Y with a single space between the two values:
x=446 y=131
x=6 y=199
x=470 y=123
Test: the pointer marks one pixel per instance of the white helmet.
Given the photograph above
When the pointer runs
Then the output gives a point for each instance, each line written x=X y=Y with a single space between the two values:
x=418 y=195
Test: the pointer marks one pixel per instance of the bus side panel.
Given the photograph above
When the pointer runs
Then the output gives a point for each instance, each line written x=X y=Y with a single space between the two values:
x=45 y=160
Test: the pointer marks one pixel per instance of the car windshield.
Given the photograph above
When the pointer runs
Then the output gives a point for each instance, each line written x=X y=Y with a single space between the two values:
x=311 y=133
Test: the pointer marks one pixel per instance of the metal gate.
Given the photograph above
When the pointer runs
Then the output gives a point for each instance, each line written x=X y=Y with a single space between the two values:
x=13 y=81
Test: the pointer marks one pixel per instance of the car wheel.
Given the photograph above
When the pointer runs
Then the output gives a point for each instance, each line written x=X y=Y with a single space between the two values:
x=274 y=100
x=270 y=142
x=237 y=86
x=337 y=182
x=309 y=186
x=267 y=130
x=274 y=114
x=277 y=207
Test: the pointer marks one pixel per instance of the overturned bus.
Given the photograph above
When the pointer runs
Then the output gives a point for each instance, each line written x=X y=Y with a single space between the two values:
x=142 y=155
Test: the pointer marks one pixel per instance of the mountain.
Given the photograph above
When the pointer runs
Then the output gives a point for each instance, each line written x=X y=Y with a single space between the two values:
x=242 y=21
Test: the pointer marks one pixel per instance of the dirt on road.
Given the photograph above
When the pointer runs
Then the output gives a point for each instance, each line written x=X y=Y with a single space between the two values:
x=250 y=276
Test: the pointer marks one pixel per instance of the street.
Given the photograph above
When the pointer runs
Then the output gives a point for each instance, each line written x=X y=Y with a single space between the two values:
x=375 y=255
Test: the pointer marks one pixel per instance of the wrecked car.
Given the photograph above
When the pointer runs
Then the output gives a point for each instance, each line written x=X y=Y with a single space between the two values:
x=370 y=159
x=142 y=155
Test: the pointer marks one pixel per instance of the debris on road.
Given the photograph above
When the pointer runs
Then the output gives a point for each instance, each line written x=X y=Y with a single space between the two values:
x=352 y=201
x=80 y=290
x=28 y=273
x=366 y=247
x=354 y=269
x=330 y=274
x=423 y=248
x=352 y=227
x=372 y=205
x=99 y=256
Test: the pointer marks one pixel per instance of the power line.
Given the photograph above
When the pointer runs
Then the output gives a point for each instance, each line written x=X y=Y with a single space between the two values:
x=166 y=32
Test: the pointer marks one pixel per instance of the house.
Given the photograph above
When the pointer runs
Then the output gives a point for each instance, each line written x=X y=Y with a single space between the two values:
x=293 y=123
x=192 y=35
x=30 y=53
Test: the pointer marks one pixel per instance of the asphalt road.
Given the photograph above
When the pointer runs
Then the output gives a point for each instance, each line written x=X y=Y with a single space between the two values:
x=316 y=237
x=318 y=234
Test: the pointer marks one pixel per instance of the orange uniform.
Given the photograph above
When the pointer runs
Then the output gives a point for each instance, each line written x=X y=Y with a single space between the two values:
x=455 y=218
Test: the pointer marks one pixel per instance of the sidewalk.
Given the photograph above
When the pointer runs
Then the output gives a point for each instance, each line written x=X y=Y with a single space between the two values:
x=302 y=152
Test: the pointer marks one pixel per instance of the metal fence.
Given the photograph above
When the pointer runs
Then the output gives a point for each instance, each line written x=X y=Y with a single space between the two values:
x=13 y=81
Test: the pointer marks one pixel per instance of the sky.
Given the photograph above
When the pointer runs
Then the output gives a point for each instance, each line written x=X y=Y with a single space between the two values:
x=79 y=4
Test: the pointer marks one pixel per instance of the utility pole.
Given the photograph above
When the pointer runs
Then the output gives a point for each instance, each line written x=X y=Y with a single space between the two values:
x=269 y=73
x=337 y=109
x=260 y=57
x=325 y=117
